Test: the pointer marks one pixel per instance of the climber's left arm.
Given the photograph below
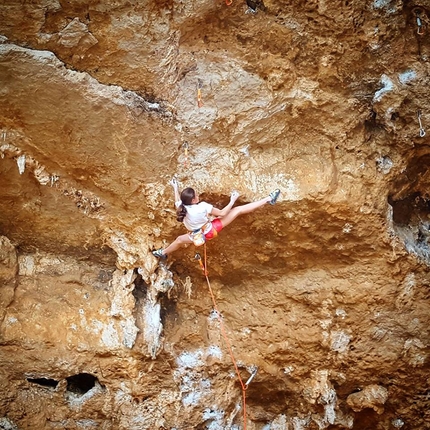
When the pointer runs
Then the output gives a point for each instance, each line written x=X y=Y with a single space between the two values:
x=174 y=183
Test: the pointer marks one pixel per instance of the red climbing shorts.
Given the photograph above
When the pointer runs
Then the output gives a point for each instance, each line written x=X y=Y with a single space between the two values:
x=216 y=228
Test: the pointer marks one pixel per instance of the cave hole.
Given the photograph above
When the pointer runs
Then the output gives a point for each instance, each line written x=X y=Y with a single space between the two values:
x=411 y=221
x=44 y=382
x=140 y=287
x=168 y=309
x=411 y=209
x=81 y=383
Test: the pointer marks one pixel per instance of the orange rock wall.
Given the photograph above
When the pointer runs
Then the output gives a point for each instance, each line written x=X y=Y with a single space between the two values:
x=325 y=294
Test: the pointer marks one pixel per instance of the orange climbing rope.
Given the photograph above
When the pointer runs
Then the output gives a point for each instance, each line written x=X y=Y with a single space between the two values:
x=243 y=386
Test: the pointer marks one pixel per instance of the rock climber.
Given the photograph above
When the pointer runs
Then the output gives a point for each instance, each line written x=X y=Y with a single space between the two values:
x=195 y=216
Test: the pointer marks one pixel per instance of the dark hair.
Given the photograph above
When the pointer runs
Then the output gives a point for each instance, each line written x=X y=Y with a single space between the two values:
x=187 y=196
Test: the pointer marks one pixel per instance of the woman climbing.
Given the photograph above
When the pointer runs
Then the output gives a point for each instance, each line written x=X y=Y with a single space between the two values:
x=195 y=216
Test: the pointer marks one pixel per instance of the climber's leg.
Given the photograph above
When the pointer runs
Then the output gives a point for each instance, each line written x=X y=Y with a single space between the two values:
x=249 y=207
x=179 y=241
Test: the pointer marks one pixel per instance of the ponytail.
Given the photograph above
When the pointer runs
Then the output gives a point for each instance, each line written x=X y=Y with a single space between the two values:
x=181 y=213
x=187 y=196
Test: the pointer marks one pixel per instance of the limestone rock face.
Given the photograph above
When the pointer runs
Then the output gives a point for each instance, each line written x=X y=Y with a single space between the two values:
x=321 y=300
x=372 y=396
x=9 y=261
x=8 y=272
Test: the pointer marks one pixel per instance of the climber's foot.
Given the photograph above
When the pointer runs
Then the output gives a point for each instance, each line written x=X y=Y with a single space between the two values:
x=274 y=196
x=159 y=254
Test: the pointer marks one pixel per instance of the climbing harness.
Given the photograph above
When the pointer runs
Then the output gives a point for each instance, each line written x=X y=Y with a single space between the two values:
x=199 y=93
x=244 y=386
x=422 y=131
x=205 y=232
x=198 y=237
x=420 y=29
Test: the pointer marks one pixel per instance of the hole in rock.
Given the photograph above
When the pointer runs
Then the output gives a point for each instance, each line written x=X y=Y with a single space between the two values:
x=394 y=116
x=411 y=207
x=272 y=396
x=81 y=383
x=371 y=124
x=140 y=288
x=44 y=382
x=168 y=311
x=411 y=218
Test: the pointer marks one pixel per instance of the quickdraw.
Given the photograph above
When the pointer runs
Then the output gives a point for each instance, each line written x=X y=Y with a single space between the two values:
x=422 y=131
x=198 y=257
x=254 y=372
x=199 y=93
x=420 y=27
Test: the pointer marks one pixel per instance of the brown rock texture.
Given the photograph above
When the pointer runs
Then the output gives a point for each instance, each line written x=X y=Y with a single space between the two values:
x=372 y=396
x=323 y=297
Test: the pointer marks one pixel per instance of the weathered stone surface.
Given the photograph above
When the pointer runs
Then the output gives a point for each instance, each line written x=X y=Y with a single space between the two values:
x=372 y=396
x=8 y=259
x=326 y=293
x=8 y=272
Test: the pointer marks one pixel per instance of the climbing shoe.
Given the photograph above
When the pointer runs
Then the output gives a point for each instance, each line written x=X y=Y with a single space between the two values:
x=159 y=254
x=274 y=196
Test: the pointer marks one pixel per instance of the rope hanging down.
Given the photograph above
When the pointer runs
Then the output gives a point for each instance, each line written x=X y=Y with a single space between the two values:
x=243 y=385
